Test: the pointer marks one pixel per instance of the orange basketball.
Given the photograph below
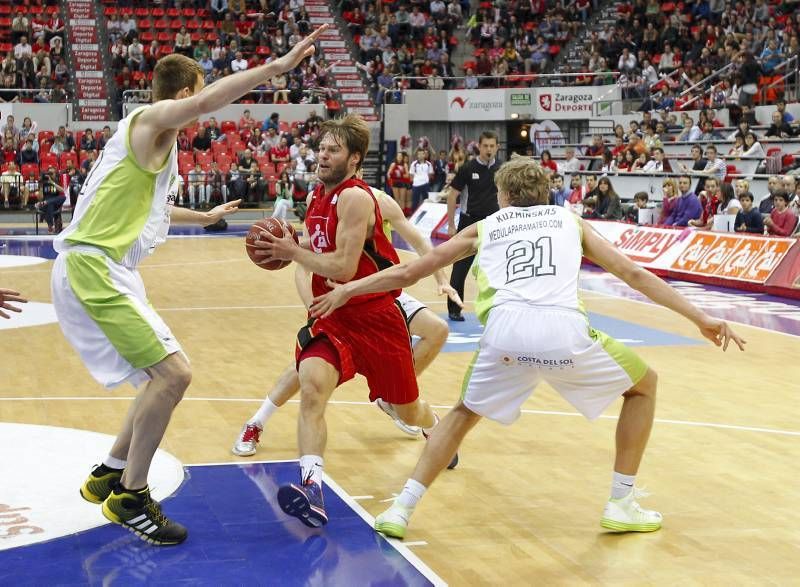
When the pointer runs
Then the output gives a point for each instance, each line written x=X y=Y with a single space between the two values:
x=274 y=227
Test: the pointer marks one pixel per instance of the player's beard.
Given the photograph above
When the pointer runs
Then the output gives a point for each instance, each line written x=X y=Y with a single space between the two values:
x=335 y=175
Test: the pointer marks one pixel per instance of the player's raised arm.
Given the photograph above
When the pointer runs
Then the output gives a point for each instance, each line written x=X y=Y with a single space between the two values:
x=600 y=251
x=175 y=114
x=462 y=245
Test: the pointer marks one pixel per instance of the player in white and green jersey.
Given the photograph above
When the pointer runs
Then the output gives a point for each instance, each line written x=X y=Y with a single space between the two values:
x=528 y=257
x=123 y=213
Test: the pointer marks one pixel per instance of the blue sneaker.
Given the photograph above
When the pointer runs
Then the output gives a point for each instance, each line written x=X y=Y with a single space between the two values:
x=304 y=502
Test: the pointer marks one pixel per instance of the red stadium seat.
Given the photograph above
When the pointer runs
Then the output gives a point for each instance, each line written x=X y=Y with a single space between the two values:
x=29 y=168
x=227 y=125
x=49 y=159
x=64 y=157
x=46 y=135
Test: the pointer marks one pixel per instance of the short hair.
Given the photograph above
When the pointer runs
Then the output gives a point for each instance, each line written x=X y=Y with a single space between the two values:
x=641 y=196
x=524 y=182
x=781 y=194
x=173 y=73
x=556 y=176
x=351 y=132
x=746 y=196
x=712 y=147
x=686 y=175
x=488 y=135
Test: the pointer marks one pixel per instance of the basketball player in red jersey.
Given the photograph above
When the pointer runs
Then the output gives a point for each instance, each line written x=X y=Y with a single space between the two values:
x=369 y=334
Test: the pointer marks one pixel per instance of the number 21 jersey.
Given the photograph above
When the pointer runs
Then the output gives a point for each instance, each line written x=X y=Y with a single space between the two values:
x=530 y=256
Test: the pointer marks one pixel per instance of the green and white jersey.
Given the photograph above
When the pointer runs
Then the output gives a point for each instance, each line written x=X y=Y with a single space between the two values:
x=530 y=256
x=123 y=209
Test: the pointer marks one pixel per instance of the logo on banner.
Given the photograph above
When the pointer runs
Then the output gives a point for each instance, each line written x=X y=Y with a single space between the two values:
x=460 y=101
x=476 y=105
x=646 y=245
x=546 y=101
x=520 y=99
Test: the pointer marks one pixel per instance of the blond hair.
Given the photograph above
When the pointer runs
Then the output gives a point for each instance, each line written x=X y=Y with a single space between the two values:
x=173 y=73
x=673 y=184
x=524 y=182
x=350 y=131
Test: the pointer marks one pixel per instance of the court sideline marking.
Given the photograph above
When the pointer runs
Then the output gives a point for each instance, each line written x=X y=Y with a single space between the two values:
x=440 y=407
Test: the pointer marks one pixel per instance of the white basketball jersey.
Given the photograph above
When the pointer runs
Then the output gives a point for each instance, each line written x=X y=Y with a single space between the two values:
x=123 y=209
x=530 y=256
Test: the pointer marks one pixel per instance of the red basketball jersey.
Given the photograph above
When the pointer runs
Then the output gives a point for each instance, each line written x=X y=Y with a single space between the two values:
x=321 y=222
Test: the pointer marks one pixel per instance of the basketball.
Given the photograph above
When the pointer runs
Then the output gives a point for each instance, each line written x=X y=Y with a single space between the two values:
x=276 y=228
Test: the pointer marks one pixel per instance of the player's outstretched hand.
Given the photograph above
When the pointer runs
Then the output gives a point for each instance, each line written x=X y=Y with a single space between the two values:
x=299 y=52
x=446 y=290
x=325 y=304
x=271 y=248
x=219 y=212
x=718 y=332
x=8 y=295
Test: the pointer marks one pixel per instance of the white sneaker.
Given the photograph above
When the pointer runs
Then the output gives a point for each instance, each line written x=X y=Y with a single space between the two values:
x=626 y=515
x=387 y=409
x=394 y=521
x=247 y=442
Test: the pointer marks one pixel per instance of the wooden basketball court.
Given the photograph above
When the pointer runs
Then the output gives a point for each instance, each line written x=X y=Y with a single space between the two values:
x=524 y=505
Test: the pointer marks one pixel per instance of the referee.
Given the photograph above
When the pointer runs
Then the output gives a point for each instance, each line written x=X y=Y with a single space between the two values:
x=475 y=181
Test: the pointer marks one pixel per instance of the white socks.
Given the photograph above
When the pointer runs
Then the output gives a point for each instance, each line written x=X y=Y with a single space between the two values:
x=311 y=469
x=411 y=494
x=622 y=485
x=264 y=413
x=113 y=463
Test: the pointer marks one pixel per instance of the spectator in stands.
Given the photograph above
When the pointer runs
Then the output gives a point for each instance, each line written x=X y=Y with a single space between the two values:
x=27 y=154
x=657 y=164
x=421 y=173
x=441 y=166
x=609 y=206
x=213 y=130
x=104 y=137
x=738 y=147
x=710 y=133
x=219 y=9
x=559 y=194
x=280 y=152
x=715 y=166
x=669 y=199
x=77 y=177
x=239 y=63
x=546 y=161
x=183 y=141
x=88 y=163
x=9 y=148
x=729 y=203
x=576 y=190
x=780 y=128
x=88 y=141
x=62 y=142
x=271 y=122
x=10 y=127
x=11 y=181
x=748 y=219
x=52 y=198
x=215 y=184
x=781 y=221
x=774 y=183
x=571 y=163
x=687 y=207
x=247 y=121
x=271 y=139
x=690 y=133
x=246 y=159
x=136 y=60
x=201 y=141
x=640 y=200
x=781 y=107
x=790 y=188
x=749 y=72
x=8 y=89
x=60 y=71
x=183 y=42
x=32 y=189
x=709 y=200
x=129 y=28
x=255 y=141
x=54 y=28
x=20 y=26
x=28 y=130
x=198 y=192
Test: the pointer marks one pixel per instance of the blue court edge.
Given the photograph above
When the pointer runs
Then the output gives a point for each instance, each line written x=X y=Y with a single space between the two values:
x=237 y=536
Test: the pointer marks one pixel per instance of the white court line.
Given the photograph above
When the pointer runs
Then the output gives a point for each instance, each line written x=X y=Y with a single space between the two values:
x=401 y=548
x=441 y=407
x=359 y=497
x=416 y=543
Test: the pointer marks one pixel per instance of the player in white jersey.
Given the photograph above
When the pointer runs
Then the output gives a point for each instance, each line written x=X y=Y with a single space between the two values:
x=527 y=266
x=123 y=213
x=422 y=322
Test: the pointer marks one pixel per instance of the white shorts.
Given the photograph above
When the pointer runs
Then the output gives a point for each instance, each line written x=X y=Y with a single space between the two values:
x=410 y=305
x=105 y=315
x=522 y=346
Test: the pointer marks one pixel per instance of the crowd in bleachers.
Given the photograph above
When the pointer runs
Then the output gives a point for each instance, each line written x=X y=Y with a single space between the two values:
x=33 y=66
x=662 y=48
x=223 y=36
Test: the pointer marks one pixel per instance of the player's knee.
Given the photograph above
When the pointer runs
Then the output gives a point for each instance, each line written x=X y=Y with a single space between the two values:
x=438 y=332
x=311 y=397
x=646 y=386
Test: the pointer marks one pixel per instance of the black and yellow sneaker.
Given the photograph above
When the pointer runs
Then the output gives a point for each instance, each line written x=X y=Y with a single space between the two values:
x=139 y=513
x=100 y=482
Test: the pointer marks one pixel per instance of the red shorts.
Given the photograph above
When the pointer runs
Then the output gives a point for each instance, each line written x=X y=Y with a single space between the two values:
x=372 y=339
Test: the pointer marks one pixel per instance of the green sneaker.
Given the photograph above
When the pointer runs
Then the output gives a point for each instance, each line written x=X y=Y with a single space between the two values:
x=139 y=513
x=100 y=483
x=626 y=515
x=394 y=521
